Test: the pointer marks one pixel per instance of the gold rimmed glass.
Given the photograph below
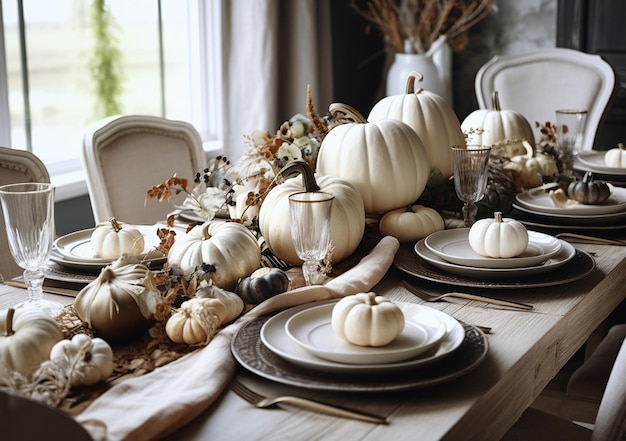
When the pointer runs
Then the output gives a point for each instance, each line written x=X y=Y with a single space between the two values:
x=470 y=177
x=570 y=134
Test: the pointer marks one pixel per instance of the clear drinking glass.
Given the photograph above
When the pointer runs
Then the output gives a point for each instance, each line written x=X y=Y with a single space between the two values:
x=29 y=218
x=470 y=177
x=310 y=228
x=570 y=133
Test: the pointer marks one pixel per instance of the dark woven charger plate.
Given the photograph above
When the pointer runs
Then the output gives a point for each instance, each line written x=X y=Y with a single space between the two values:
x=253 y=355
x=407 y=261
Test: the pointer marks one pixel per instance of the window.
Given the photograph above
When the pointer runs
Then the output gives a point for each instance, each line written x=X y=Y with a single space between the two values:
x=168 y=51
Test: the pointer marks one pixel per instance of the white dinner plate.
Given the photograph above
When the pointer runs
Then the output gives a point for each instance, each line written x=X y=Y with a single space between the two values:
x=313 y=331
x=594 y=162
x=565 y=254
x=453 y=245
x=275 y=338
x=575 y=219
x=76 y=248
x=539 y=200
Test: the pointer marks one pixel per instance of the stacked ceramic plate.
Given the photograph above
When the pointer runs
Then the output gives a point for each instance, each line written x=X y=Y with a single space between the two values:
x=449 y=250
x=593 y=161
x=75 y=251
x=304 y=336
x=538 y=204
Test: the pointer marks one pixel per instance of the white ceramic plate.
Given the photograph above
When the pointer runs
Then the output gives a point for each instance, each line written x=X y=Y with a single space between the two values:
x=275 y=338
x=539 y=200
x=594 y=162
x=575 y=219
x=453 y=245
x=312 y=330
x=77 y=246
x=566 y=253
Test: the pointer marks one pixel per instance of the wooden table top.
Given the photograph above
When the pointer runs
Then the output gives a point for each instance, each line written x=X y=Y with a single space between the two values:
x=526 y=350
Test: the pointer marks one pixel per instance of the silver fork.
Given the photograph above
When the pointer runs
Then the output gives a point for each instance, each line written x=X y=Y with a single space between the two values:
x=262 y=402
x=461 y=295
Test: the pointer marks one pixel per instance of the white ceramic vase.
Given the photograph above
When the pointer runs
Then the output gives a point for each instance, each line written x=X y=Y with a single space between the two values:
x=435 y=65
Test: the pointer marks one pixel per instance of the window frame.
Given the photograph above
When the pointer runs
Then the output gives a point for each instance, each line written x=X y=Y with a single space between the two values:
x=205 y=75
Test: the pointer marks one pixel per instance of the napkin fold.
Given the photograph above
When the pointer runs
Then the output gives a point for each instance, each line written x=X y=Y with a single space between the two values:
x=158 y=403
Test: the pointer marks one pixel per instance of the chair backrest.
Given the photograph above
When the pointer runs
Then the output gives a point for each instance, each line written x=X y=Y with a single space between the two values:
x=16 y=166
x=539 y=82
x=126 y=155
x=610 y=423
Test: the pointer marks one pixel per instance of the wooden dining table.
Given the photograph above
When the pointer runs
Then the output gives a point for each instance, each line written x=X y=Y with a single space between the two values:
x=526 y=349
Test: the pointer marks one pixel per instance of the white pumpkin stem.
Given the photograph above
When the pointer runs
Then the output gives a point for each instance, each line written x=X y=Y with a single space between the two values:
x=302 y=168
x=115 y=225
x=107 y=275
x=495 y=101
x=410 y=83
x=205 y=231
x=621 y=146
x=8 y=326
x=349 y=111
x=371 y=298
x=497 y=217
x=530 y=151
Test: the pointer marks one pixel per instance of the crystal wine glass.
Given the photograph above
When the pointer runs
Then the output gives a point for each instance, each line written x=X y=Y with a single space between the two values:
x=310 y=228
x=470 y=177
x=28 y=210
x=570 y=130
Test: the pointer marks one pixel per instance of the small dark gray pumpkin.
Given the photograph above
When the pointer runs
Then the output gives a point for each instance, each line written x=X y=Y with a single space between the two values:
x=588 y=191
x=262 y=284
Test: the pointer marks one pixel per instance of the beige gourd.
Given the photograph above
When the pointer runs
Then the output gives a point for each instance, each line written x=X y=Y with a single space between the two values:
x=120 y=303
x=347 y=219
x=199 y=319
x=430 y=116
x=498 y=237
x=229 y=248
x=112 y=239
x=366 y=319
x=411 y=224
x=26 y=337
x=386 y=161
x=91 y=359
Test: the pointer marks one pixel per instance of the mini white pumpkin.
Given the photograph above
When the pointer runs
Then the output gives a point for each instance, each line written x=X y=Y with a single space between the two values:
x=120 y=303
x=229 y=247
x=616 y=157
x=411 y=224
x=26 y=337
x=92 y=359
x=112 y=239
x=366 y=319
x=536 y=163
x=498 y=237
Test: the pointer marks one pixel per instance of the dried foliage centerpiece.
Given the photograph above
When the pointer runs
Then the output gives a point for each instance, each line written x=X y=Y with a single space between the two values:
x=413 y=26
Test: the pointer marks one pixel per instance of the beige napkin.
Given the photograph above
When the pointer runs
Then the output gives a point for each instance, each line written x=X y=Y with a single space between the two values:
x=158 y=403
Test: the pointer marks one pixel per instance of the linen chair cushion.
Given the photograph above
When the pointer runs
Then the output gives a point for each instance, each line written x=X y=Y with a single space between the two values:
x=16 y=166
x=610 y=424
x=124 y=156
x=539 y=82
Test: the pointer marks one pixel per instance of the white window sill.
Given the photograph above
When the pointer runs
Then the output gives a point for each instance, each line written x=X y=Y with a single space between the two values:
x=73 y=184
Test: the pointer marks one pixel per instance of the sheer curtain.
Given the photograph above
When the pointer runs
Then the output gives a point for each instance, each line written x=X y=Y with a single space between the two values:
x=272 y=49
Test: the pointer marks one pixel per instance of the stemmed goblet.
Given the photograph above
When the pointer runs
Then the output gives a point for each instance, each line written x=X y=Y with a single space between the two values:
x=28 y=210
x=310 y=228
x=570 y=131
x=470 y=177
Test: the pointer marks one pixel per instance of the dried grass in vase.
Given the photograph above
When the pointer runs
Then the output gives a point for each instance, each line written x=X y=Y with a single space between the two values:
x=412 y=26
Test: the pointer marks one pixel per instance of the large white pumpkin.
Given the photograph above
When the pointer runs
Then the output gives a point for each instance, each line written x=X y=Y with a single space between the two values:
x=498 y=127
x=347 y=221
x=229 y=246
x=385 y=160
x=430 y=116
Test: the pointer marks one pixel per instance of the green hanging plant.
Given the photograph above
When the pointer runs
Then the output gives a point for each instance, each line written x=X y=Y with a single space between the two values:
x=106 y=62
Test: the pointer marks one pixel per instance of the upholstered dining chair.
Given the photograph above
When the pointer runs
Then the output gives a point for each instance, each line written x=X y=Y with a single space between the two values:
x=125 y=155
x=16 y=166
x=609 y=424
x=539 y=82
